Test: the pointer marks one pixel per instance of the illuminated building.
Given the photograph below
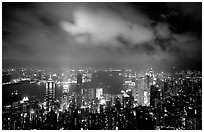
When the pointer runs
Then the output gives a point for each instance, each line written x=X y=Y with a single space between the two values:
x=79 y=90
x=15 y=109
x=91 y=94
x=25 y=104
x=87 y=77
x=140 y=99
x=108 y=99
x=84 y=96
x=154 y=96
x=99 y=92
x=127 y=98
x=50 y=92
x=102 y=104
x=102 y=100
x=129 y=85
x=65 y=100
x=25 y=111
x=151 y=75
x=147 y=91
x=143 y=91
x=87 y=96
x=135 y=90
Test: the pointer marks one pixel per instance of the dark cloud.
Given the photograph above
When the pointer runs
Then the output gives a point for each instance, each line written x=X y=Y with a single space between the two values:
x=123 y=34
x=187 y=17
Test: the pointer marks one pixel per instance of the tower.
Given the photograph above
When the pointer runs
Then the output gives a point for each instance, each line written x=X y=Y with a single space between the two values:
x=99 y=92
x=15 y=108
x=79 y=78
x=79 y=83
x=143 y=90
x=65 y=92
x=78 y=91
x=147 y=90
x=50 y=92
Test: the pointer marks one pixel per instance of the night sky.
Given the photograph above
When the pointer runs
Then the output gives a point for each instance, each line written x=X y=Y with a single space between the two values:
x=137 y=35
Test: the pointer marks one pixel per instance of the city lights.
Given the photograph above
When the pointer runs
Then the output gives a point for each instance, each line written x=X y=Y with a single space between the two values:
x=156 y=105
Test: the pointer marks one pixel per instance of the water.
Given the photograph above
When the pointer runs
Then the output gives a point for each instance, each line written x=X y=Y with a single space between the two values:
x=33 y=91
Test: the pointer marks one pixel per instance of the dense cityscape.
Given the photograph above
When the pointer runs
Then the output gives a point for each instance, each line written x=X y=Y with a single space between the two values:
x=142 y=100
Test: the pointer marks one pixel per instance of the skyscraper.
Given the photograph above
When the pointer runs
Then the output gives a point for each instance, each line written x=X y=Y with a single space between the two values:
x=15 y=108
x=79 y=91
x=147 y=90
x=50 y=92
x=143 y=90
x=79 y=78
x=65 y=91
x=99 y=92
x=91 y=94
x=140 y=99
x=154 y=96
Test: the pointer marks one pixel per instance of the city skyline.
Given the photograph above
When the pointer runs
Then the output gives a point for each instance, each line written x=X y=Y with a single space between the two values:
x=92 y=99
x=139 y=35
x=101 y=66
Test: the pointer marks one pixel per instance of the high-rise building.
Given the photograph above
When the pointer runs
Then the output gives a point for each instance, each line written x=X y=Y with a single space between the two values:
x=40 y=76
x=135 y=90
x=99 y=92
x=147 y=90
x=25 y=104
x=15 y=109
x=143 y=90
x=65 y=100
x=151 y=75
x=50 y=92
x=79 y=90
x=140 y=99
x=79 y=78
x=91 y=94
x=84 y=92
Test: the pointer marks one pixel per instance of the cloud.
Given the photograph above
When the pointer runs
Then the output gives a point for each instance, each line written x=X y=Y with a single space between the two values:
x=162 y=30
x=104 y=27
x=188 y=9
x=102 y=33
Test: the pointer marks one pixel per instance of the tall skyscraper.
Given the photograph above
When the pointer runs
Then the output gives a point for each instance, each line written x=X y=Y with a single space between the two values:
x=40 y=76
x=151 y=75
x=50 y=92
x=79 y=78
x=147 y=90
x=140 y=99
x=15 y=108
x=154 y=96
x=143 y=90
x=65 y=91
x=99 y=92
x=79 y=91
